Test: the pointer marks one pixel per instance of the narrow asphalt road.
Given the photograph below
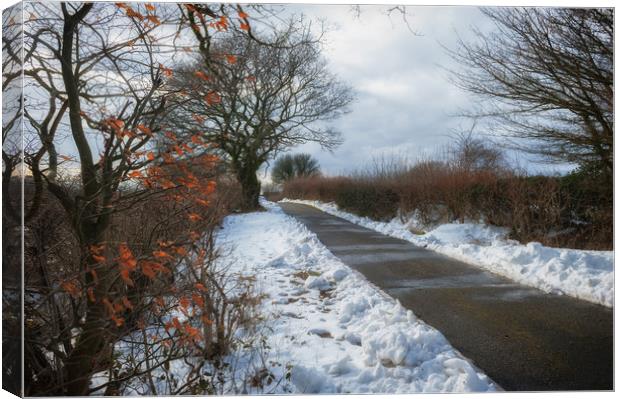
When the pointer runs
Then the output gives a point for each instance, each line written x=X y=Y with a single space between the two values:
x=523 y=338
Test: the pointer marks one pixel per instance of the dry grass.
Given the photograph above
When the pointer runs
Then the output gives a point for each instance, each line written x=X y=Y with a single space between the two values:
x=557 y=211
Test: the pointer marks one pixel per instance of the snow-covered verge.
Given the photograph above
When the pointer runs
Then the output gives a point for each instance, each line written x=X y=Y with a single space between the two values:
x=587 y=275
x=330 y=330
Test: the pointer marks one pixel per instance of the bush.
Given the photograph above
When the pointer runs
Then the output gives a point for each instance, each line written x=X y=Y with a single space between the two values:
x=571 y=211
x=55 y=313
x=375 y=202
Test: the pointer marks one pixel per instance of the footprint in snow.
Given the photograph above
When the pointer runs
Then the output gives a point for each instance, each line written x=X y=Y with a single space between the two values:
x=292 y=315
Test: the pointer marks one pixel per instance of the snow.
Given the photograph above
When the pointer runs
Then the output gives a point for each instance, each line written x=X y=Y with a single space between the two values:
x=588 y=275
x=330 y=330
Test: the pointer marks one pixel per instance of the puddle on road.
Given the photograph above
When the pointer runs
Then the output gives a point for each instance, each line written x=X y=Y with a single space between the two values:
x=373 y=247
x=457 y=281
x=513 y=295
x=381 y=258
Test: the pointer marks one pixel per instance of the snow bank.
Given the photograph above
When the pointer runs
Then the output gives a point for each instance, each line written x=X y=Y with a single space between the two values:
x=587 y=275
x=330 y=330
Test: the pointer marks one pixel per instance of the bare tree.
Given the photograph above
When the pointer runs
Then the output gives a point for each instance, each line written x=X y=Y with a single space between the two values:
x=253 y=100
x=473 y=154
x=92 y=79
x=290 y=166
x=548 y=73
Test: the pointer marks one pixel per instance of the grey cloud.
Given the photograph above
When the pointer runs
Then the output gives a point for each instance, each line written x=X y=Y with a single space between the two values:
x=405 y=103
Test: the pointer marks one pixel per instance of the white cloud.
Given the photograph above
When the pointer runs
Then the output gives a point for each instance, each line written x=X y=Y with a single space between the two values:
x=405 y=101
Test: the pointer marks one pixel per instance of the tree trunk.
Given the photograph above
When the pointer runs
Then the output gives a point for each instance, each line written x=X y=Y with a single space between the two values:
x=89 y=352
x=92 y=347
x=250 y=186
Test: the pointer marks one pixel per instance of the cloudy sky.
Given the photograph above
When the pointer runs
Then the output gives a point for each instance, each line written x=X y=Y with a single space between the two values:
x=405 y=103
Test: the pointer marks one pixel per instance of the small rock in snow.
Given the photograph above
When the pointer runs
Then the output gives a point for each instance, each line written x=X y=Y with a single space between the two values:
x=321 y=332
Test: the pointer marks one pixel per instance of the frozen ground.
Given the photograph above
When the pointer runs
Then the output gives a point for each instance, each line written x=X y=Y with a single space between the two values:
x=588 y=275
x=331 y=331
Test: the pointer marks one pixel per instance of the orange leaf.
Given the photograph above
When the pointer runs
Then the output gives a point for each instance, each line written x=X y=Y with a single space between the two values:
x=242 y=15
x=136 y=174
x=158 y=267
x=149 y=7
x=198 y=300
x=115 y=123
x=133 y=13
x=187 y=148
x=127 y=303
x=200 y=287
x=119 y=321
x=202 y=202
x=194 y=217
x=147 y=270
x=213 y=98
x=161 y=254
x=231 y=59
x=178 y=150
x=71 y=288
x=125 y=276
x=244 y=26
x=192 y=332
x=118 y=307
x=198 y=118
x=150 y=156
x=165 y=71
x=126 y=258
x=168 y=159
x=144 y=129
x=167 y=184
x=153 y=19
x=184 y=302
x=201 y=75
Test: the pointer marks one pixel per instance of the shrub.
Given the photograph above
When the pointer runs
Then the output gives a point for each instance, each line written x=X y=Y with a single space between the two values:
x=376 y=202
x=574 y=210
x=55 y=308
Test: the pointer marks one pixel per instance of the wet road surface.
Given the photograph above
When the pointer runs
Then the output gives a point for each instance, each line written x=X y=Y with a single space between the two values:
x=521 y=337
